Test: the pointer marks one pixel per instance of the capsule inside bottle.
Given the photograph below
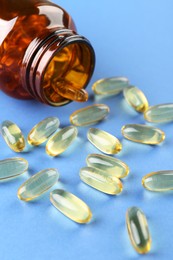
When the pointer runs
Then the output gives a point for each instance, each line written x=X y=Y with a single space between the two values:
x=70 y=92
x=68 y=73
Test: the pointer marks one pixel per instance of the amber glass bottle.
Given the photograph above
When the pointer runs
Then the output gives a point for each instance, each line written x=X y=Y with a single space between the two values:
x=41 y=55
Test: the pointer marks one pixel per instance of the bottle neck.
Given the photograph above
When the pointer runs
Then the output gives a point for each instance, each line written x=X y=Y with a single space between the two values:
x=61 y=58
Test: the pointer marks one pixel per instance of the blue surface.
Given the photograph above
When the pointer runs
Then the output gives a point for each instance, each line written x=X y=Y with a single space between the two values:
x=134 y=39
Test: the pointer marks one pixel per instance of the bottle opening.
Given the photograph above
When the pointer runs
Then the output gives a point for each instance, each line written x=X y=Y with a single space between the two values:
x=67 y=74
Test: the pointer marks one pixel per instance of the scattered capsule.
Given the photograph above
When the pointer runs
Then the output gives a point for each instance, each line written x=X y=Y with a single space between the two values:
x=13 y=136
x=108 y=164
x=138 y=231
x=59 y=142
x=71 y=206
x=89 y=115
x=110 y=86
x=101 y=180
x=136 y=99
x=104 y=141
x=43 y=130
x=10 y=168
x=37 y=184
x=159 y=114
x=70 y=92
x=143 y=134
x=158 y=181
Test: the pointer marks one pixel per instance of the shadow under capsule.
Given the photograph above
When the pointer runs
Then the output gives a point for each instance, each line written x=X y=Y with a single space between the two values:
x=130 y=147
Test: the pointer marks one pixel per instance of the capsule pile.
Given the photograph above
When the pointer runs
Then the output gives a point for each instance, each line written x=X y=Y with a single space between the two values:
x=103 y=172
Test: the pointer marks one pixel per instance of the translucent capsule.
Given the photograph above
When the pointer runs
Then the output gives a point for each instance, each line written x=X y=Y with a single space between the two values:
x=110 y=86
x=104 y=141
x=70 y=92
x=13 y=136
x=158 y=181
x=138 y=231
x=136 y=99
x=12 y=167
x=43 y=130
x=59 y=142
x=143 y=134
x=101 y=180
x=108 y=164
x=71 y=206
x=159 y=114
x=37 y=184
x=89 y=115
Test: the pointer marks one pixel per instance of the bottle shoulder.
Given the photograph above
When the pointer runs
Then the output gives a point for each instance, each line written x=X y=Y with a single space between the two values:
x=22 y=21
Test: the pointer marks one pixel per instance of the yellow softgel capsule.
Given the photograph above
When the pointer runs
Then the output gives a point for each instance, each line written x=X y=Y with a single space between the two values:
x=43 y=130
x=110 y=86
x=12 y=167
x=69 y=91
x=162 y=113
x=101 y=180
x=71 y=206
x=138 y=231
x=59 y=142
x=136 y=99
x=13 y=136
x=89 y=115
x=108 y=164
x=143 y=134
x=104 y=141
x=38 y=184
x=158 y=181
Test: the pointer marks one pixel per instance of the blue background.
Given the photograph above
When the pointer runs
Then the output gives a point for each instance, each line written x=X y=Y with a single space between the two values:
x=134 y=39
